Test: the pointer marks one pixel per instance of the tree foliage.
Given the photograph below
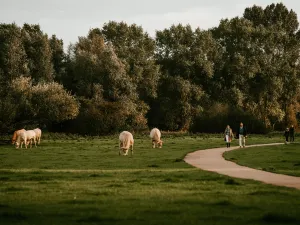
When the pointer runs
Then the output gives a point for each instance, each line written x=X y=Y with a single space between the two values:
x=260 y=57
x=13 y=59
x=136 y=49
x=117 y=77
x=58 y=57
x=38 y=52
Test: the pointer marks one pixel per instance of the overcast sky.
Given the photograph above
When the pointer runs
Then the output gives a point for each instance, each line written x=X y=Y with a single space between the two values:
x=69 y=19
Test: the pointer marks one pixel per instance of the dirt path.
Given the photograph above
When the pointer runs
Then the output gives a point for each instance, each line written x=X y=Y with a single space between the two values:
x=212 y=160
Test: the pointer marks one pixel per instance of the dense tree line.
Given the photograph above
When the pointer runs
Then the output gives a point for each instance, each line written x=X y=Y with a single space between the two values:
x=118 y=77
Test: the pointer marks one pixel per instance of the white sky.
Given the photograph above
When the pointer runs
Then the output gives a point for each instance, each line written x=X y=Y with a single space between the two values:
x=69 y=19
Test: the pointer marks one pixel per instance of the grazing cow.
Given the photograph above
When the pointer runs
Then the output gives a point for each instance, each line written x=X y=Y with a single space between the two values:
x=38 y=133
x=155 y=136
x=31 y=136
x=15 y=135
x=21 y=138
x=125 y=141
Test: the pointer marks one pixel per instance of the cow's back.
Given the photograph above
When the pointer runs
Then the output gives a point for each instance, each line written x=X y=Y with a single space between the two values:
x=155 y=134
x=30 y=134
x=16 y=134
x=126 y=138
x=38 y=132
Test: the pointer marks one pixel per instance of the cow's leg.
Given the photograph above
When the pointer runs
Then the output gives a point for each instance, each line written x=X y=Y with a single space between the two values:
x=132 y=149
x=25 y=142
x=153 y=144
x=34 y=141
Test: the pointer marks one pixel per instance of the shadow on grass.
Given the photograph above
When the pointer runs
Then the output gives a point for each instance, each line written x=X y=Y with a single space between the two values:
x=222 y=202
x=269 y=169
x=178 y=160
x=264 y=193
x=231 y=181
x=153 y=166
x=4 y=178
x=14 y=189
x=92 y=219
x=169 y=180
x=12 y=216
x=279 y=218
x=75 y=201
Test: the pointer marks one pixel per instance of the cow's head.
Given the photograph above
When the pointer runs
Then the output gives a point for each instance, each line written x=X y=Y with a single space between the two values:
x=17 y=144
x=159 y=143
x=124 y=150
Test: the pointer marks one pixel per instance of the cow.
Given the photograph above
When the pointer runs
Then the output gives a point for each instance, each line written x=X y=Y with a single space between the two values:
x=21 y=138
x=31 y=136
x=15 y=135
x=38 y=133
x=155 y=136
x=125 y=142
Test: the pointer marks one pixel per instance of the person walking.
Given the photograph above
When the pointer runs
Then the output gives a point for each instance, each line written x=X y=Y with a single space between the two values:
x=292 y=133
x=286 y=134
x=228 y=135
x=241 y=135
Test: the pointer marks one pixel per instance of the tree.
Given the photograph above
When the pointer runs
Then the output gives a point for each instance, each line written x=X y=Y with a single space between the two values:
x=187 y=53
x=178 y=103
x=108 y=96
x=58 y=58
x=187 y=60
x=278 y=19
x=27 y=104
x=273 y=15
x=260 y=62
x=38 y=53
x=95 y=69
x=52 y=103
x=136 y=49
x=13 y=59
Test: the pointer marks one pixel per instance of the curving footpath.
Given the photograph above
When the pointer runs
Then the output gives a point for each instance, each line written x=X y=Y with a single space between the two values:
x=212 y=160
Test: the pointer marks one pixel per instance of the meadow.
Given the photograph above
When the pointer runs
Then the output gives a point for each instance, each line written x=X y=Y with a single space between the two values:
x=83 y=180
x=283 y=159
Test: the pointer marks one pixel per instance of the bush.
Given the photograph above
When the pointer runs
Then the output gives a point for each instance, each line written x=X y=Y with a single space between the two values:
x=103 y=117
x=26 y=106
x=52 y=103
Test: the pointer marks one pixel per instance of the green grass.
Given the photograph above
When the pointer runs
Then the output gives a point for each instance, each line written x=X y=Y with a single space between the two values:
x=84 y=181
x=283 y=159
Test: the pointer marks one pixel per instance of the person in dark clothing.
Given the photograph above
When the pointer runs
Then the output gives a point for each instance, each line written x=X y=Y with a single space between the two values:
x=241 y=134
x=286 y=134
x=292 y=133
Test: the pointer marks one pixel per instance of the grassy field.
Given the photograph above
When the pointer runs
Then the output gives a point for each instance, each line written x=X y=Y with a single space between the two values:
x=84 y=181
x=284 y=159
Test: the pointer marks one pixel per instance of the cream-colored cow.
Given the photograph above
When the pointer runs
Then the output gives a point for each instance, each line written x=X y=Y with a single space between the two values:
x=26 y=137
x=16 y=134
x=21 y=139
x=155 y=135
x=38 y=133
x=125 y=142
